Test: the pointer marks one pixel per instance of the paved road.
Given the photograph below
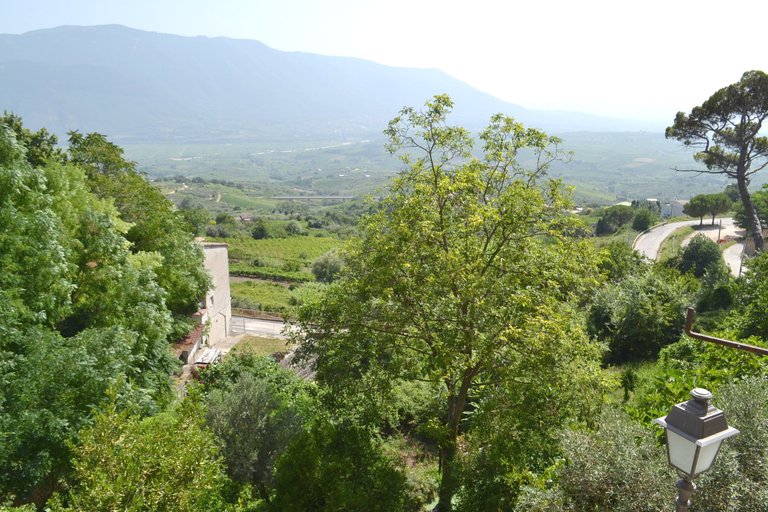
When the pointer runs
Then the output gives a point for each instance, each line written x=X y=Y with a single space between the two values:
x=648 y=243
x=269 y=328
x=732 y=257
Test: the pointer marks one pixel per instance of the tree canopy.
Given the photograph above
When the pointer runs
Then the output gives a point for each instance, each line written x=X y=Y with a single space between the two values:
x=463 y=277
x=703 y=204
x=86 y=304
x=725 y=130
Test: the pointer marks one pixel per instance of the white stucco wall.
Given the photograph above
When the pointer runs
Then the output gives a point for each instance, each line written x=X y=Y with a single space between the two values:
x=217 y=300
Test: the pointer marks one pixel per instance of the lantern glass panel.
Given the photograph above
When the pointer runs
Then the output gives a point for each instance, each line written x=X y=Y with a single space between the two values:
x=681 y=452
x=706 y=457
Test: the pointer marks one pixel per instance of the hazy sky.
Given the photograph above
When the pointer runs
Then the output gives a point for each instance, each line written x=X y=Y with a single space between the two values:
x=623 y=58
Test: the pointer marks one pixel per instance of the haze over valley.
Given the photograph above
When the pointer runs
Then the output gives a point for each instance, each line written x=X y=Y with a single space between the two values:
x=239 y=110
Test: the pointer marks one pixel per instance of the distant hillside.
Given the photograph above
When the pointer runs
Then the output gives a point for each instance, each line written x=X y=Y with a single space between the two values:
x=144 y=86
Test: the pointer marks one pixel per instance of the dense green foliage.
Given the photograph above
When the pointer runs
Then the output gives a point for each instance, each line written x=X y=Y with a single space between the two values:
x=155 y=227
x=639 y=314
x=619 y=468
x=334 y=467
x=644 y=219
x=462 y=278
x=167 y=462
x=86 y=304
x=617 y=260
x=750 y=318
x=760 y=202
x=700 y=256
x=327 y=267
x=613 y=217
x=254 y=426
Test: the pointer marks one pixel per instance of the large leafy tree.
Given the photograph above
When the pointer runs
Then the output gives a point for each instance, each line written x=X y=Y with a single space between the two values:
x=81 y=310
x=463 y=277
x=40 y=145
x=154 y=225
x=703 y=204
x=726 y=131
x=718 y=203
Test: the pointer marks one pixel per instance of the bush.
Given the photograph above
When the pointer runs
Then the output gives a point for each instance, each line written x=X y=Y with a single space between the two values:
x=618 y=260
x=644 y=219
x=254 y=426
x=294 y=228
x=165 y=462
x=700 y=255
x=619 y=468
x=338 y=468
x=639 y=315
x=259 y=230
x=613 y=217
x=752 y=299
x=737 y=481
x=327 y=267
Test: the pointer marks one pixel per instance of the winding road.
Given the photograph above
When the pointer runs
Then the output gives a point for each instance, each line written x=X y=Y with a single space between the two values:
x=649 y=242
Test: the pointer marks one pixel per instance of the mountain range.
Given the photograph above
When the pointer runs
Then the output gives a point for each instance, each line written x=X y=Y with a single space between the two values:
x=137 y=86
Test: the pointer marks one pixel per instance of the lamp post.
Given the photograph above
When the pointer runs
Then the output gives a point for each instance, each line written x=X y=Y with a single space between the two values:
x=695 y=430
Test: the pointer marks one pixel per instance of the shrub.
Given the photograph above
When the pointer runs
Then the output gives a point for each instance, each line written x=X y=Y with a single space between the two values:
x=644 y=219
x=338 y=467
x=639 y=315
x=327 y=267
x=294 y=228
x=259 y=230
x=700 y=255
x=619 y=468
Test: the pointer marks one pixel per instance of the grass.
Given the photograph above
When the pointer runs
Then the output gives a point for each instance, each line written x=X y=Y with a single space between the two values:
x=261 y=295
x=671 y=246
x=645 y=373
x=624 y=234
x=260 y=345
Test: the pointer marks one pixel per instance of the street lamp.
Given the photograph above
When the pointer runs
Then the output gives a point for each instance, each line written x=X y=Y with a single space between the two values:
x=695 y=430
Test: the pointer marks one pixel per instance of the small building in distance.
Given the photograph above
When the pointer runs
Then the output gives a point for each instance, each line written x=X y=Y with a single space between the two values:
x=673 y=208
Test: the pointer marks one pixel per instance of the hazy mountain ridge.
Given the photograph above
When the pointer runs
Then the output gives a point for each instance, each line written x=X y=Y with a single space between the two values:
x=136 y=85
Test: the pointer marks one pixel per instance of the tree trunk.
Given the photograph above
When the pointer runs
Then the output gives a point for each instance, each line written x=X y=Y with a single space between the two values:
x=448 y=482
x=753 y=221
x=264 y=492
x=448 y=449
